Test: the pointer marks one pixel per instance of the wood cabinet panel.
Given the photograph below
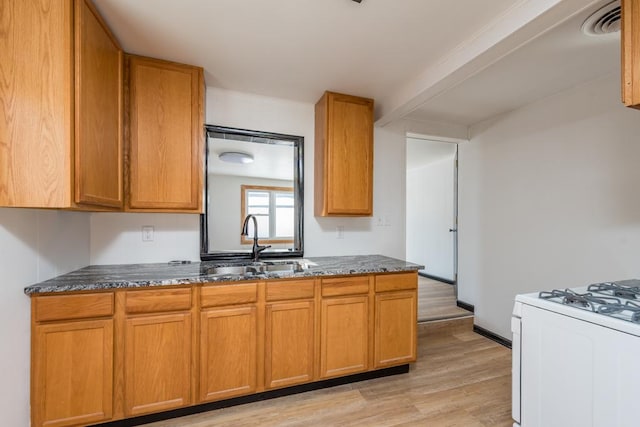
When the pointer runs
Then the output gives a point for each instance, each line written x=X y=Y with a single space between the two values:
x=166 y=136
x=60 y=119
x=220 y=295
x=157 y=363
x=396 y=282
x=228 y=354
x=344 y=337
x=291 y=289
x=36 y=112
x=79 y=306
x=289 y=343
x=343 y=156
x=156 y=300
x=630 y=36
x=345 y=286
x=98 y=110
x=395 y=328
x=72 y=373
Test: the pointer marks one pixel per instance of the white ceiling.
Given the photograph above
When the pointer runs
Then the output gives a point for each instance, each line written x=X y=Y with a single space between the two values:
x=561 y=58
x=270 y=161
x=297 y=49
x=421 y=59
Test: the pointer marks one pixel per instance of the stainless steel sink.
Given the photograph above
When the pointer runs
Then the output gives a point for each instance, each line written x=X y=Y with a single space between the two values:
x=292 y=264
x=283 y=267
x=235 y=270
x=270 y=266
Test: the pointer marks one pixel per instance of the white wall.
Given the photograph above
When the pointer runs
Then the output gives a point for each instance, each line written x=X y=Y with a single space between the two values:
x=34 y=246
x=549 y=199
x=116 y=238
x=366 y=235
x=430 y=216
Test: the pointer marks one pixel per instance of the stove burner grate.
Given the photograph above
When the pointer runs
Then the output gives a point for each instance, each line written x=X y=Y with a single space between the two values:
x=632 y=308
x=605 y=305
x=620 y=291
x=585 y=301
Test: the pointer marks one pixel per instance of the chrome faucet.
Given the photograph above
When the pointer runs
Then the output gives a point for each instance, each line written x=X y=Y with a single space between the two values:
x=255 y=251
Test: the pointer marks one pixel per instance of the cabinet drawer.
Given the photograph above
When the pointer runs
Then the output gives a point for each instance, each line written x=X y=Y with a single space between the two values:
x=345 y=286
x=154 y=300
x=394 y=282
x=64 y=307
x=291 y=289
x=217 y=295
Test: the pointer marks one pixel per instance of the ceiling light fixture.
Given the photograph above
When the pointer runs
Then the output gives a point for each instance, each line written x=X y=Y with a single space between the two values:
x=235 y=157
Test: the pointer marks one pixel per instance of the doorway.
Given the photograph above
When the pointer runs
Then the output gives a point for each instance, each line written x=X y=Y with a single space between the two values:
x=431 y=224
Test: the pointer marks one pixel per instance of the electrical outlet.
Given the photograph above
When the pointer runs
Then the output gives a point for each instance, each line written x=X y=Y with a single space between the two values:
x=340 y=230
x=147 y=233
x=379 y=221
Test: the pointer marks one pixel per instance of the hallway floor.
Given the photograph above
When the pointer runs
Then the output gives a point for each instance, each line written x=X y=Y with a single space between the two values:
x=437 y=300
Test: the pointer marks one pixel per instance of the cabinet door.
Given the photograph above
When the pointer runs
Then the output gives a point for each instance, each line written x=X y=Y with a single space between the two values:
x=98 y=111
x=395 y=328
x=344 y=336
x=344 y=175
x=157 y=363
x=166 y=136
x=72 y=373
x=36 y=107
x=228 y=361
x=289 y=343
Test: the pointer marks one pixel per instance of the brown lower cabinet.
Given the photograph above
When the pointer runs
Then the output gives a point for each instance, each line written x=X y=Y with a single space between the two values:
x=395 y=317
x=395 y=329
x=72 y=343
x=289 y=333
x=157 y=363
x=344 y=339
x=229 y=338
x=72 y=373
x=228 y=352
x=345 y=332
x=157 y=349
x=102 y=356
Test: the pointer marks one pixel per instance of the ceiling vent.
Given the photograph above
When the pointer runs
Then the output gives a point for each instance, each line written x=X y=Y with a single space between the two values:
x=605 y=20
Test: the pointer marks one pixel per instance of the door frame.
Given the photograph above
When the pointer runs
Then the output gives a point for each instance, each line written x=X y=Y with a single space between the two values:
x=455 y=223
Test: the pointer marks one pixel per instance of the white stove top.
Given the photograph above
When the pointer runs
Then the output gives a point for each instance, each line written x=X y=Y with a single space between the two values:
x=615 y=305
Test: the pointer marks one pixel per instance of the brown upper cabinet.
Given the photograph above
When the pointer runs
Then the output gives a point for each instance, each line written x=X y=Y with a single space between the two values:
x=631 y=53
x=343 y=156
x=165 y=136
x=61 y=114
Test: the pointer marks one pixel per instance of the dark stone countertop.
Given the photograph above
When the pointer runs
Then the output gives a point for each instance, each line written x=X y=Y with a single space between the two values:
x=99 y=277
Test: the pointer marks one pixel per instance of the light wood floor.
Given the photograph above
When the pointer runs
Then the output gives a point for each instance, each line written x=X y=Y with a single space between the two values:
x=461 y=379
x=437 y=300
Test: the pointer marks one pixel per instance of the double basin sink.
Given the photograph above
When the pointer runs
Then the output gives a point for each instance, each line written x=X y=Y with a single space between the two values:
x=255 y=268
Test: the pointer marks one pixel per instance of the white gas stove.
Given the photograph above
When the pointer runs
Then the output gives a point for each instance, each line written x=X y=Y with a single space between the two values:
x=575 y=356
